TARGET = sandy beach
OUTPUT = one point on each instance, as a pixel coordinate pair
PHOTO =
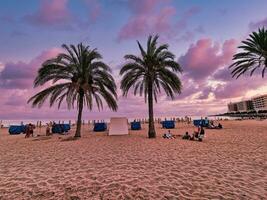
(229, 164)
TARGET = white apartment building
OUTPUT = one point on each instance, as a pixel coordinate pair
(260, 102)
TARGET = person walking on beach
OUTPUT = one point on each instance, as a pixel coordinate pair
(29, 130)
(48, 130)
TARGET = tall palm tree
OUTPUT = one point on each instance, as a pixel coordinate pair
(77, 76)
(253, 55)
(149, 73)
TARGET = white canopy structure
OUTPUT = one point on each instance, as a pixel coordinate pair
(118, 126)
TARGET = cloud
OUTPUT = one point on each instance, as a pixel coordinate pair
(20, 75)
(50, 13)
(205, 56)
(238, 87)
(95, 9)
(56, 14)
(253, 26)
(1, 66)
(146, 19)
(8, 19)
(154, 17)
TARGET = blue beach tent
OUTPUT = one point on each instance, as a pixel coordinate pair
(15, 130)
(135, 125)
(98, 127)
(201, 122)
(60, 128)
(168, 124)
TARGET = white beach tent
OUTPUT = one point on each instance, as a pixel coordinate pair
(118, 126)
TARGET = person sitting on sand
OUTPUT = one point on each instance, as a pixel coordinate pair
(220, 126)
(201, 134)
(196, 133)
(168, 135)
(186, 136)
(211, 124)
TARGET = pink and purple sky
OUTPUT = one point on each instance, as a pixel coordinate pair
(203, 34)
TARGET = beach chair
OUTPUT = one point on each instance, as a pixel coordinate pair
(99, 127)
(135, 126)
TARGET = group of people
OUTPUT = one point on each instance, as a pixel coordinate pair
(196, 135)
(211, 125)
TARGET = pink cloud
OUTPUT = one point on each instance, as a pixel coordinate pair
(154, 17)
(94, 8)
(51, 12)
(145, 6)
(146, 20)
(204, 57)
(56, 14)
(20, 75)
(238, 87)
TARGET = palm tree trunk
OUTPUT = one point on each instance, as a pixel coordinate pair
(80, 110)
(151, 130)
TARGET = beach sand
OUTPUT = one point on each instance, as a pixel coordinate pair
(229, 164)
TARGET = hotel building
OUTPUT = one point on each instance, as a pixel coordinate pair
(260, 102)
(232, 107)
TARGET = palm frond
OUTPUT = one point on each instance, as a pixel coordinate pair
(253, 55)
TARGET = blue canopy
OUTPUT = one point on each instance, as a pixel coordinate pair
(15, 130)
(135, 125)
(98, 127)
(60, 128)
(168, 124)
(201, 122)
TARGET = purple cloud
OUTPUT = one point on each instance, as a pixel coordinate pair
(147, 22)
(56, 14)
(50, 13)
(204, 57)
(20, 75)
(259, 24)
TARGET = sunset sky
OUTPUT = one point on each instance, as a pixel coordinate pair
(203, 34)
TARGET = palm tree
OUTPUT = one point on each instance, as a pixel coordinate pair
(149, 73)
(253, 55)
(77, 76)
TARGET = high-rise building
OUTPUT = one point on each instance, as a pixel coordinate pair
(260, 102)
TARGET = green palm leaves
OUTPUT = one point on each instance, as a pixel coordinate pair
(253, 55)
(78, 77)
(154, 70)
(156, 65)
